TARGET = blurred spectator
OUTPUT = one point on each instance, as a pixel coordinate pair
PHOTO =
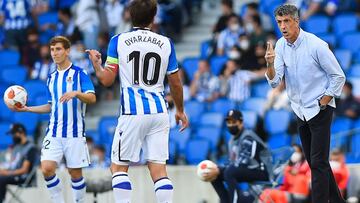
(227, 11)
(226, 73)
(114, 12)
(66, 25)
(125, 23)
(103, 41)
(185, 82)
(171, 110)
(252, 9)
(204, 86)
(248, 59)
(98, 159)
(88, 22)
(230, 35)
(43, 67)
(23, 160)
(170, 18)
(340, 170)
(31, 51)
(256, 32)
(310, 7)
(296, 187)
(347, 105)
(277, 98)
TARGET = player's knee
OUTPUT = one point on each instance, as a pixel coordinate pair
(75, 173)
(119, 168)
(48, 170)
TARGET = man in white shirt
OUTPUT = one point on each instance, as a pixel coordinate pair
(313, 77)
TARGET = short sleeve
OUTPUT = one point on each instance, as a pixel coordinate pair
(31, 155)
(48, 94)
(85, 83)
(173, 64)
(112, 59)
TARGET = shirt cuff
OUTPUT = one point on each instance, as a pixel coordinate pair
(89, 91)
(172, 71)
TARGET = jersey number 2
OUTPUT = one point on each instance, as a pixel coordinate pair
(135, 55)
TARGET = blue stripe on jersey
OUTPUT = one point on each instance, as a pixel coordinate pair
(145, 101)
(64, 104)
(56, 103)
(172, 65)
(83, 119)
(74, 104)
(132, 101)
(157, 102)
(122, 102)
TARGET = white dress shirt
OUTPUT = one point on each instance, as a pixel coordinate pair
(310, 70)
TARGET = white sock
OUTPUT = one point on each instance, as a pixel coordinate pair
(164, 190)
(54, 186)
(121, 187)
(79, 190)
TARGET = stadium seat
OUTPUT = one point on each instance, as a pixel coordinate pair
(272, 124)
(194, 110)
(254, 104)
(344, 57)
(351, 42)
(355, 81)
(196, 151)
(5, 139)
(354, 71)
(5, 112)
(212, 119)
(48, 18)
(94, 134)
(205, 49)
(352, 158)
(339, 132)
(9, 58)
(14, 75)
(217, 63)
(343, 23)
(356, 57)
(279, 140)
(317, 24)
(222, 106)
(106, 128)
(355, 144)
(180, 138)
(29, 120)
(66, 3)
(190, 66)
(212, 134)
(250, 119)
(260, 89)
(35, 89)
(172, 152)
(329, 38)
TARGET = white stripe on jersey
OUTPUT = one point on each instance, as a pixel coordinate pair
(60, 113)
(69, 105)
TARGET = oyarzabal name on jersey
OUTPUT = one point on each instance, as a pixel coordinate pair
(140, 38)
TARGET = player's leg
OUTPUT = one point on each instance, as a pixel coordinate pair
(77, 157)
(155, 148)
(51, 155)
(121, 183)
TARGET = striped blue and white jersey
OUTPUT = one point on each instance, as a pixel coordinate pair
(17, 14)
(142, 58)
(67, 119)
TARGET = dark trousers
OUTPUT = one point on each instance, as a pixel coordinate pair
(315, 139)
(4, 181)
(233, 175)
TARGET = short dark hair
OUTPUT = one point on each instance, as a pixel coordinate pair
(142, 12)
(287, 9)
(60, 39)
(228, 3)
(349, 85)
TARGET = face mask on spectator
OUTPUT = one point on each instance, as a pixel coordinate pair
(249, 27)
(343, 95)
(244, 44)
(95, 158)
(234, 27)
(335, 165)
(233, 54)
(233, 129)
(16, 140)
(295, 157)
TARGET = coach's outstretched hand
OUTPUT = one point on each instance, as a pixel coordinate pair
(184, 120)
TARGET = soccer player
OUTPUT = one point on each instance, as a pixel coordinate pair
(69, 90)
(142, 58)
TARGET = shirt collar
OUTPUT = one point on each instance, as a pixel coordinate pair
(298, 41)
(140, 28)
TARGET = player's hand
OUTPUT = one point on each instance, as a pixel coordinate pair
(181, 116)
(269, 54)
(212, 174)
(94, 56)
(67, 96)
(19, 109)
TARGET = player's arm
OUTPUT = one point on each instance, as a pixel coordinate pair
(23, 170)
(87, 98)
(46, 108)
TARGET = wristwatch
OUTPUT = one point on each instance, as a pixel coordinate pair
(322, 106)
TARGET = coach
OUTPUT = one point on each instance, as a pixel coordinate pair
(313, 78)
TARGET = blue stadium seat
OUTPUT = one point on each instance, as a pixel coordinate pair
(14, 75)
(66, 3)
(106, 128)
(352, 158)
(172, 152)
(317, 24)
(9, 58)
(190, 66)
(329, 38)
(279, 140)
(212, 119)
(272, 124)
(48, 18)
(211, 134)
(35, 89)
(350, 41)
(5, 139)
(355, 81)
(29, 120)
(339, 129)
(5, 112)
(344, 57)
(217, 63)
(260, 89)
(356, 57)
(196, 151)
(205, 49)
(355, 144)
(94, 134)
(250, 119)
(194, 109)
(344, 23)
(180, 138)
(354, 71)
(222, 106)
(254, 104)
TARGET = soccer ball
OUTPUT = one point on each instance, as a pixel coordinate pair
(15, 96)
(204, 167)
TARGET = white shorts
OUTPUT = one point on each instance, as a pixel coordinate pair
(74, 150)
(135, 132)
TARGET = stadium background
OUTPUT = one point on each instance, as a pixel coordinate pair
(189, 23)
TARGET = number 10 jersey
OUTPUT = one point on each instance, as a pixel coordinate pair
(142, 59)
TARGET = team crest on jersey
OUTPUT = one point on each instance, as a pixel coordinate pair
(69, 80)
